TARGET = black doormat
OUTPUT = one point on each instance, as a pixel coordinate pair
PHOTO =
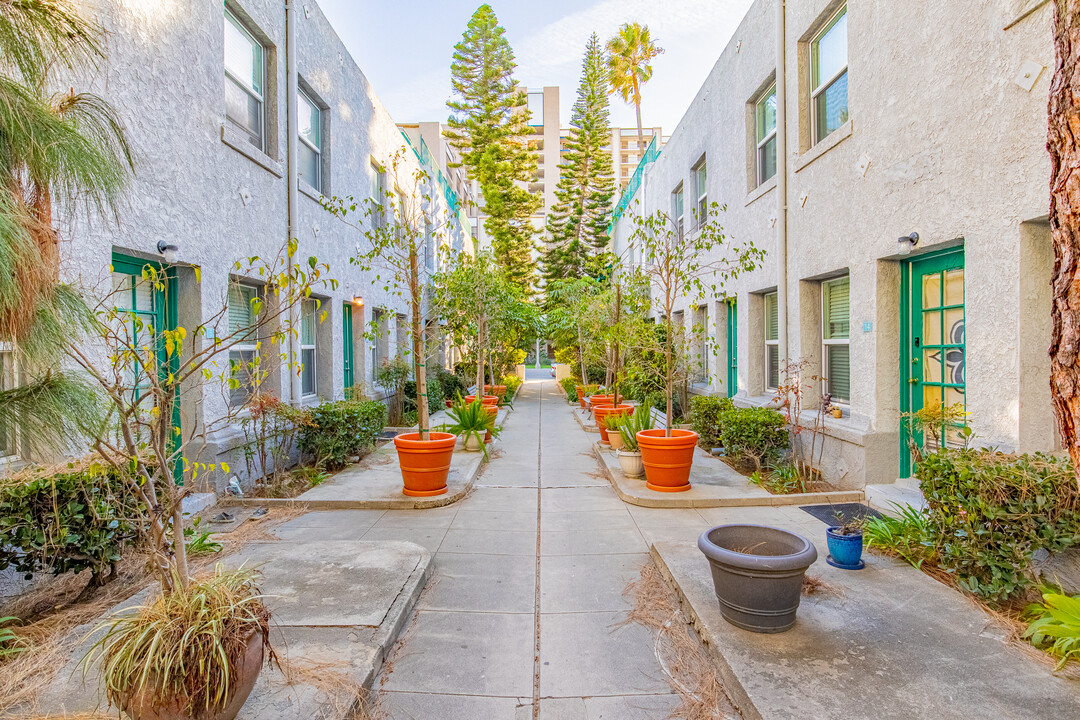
(833, 515)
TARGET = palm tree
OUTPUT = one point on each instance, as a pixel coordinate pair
(58, 152)
(630, 55)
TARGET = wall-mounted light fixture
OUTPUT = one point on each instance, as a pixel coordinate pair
(358, 301)
(907, 242)
(168, 250)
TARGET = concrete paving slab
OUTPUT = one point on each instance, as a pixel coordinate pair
(587, 654)
(428, 538)
(466, 654)
(713, 484)
(596, 520)
(498, 498)
(587, 583)
(440, 517)
(622, 707)
(592, 542)
(490, 542)
(328, 525)
(481, 583)
(375, 483)
(648, 517)
(586, 499)
(425, 706)
(469, 519)
(892, 643)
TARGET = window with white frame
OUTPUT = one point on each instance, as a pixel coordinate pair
(701, 206)
(835, 334)
(245, 81)
(829, 78)
(244, 355)
(378, 354)
(535, 107)
(765, 134)
(429, 247)
(772, 342)
(308, 347)
(8, 380)
(677, 208)
(309, 149)
(377, 179)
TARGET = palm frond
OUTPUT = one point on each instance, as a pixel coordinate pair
(37, 34)
(50, 411)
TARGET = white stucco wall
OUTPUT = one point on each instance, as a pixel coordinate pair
(942, 141)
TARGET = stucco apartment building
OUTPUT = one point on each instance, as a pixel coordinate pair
(833, 132)
(204, 90)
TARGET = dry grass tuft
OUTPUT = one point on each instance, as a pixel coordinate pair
(50, 617)
(341, 696)
(814, 585)
(689, 669)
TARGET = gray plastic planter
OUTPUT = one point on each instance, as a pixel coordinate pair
(758, 574)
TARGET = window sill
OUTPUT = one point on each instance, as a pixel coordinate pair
(761, 190)
(240, 144)
(311, 192)
(838, 136)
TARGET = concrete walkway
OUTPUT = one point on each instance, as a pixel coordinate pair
(521, 617)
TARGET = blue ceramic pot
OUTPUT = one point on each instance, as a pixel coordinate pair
(845, 551)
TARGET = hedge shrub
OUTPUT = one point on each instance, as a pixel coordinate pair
(339, 430)
(451, 385)
(994, 510)
(69, 521)
(757, 435)
(435, 395)
(512, 383)
(705, 413)
(570, 386)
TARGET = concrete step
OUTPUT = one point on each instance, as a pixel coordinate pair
(885, 496)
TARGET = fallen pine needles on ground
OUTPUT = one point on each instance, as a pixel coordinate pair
(688, 668)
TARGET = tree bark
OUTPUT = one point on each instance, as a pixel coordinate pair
(419, 349)
(1063, 143)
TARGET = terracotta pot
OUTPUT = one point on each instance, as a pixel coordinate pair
(630, 463)
(580, 395)
(615, 440)
(498, 390)
(604, 411)
(425, 463)
(667, 460)
(139, 705)
(449, 404)
(487, 399)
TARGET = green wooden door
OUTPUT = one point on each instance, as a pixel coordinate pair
(732, 348)
(347, 346)
(148, 307)
(933, 358)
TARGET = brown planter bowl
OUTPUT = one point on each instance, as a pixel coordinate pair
(139, 705)
(487, 399)
(498, 390)
(667, 460)
(425, 463)
(604, 411)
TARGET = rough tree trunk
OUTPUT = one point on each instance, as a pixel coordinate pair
(1063, 143)
(419, 349)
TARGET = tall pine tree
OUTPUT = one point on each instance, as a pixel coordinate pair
(488, 126)
(578, 223)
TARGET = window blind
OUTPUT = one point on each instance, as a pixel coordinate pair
(839, 371)
(837, 309)
(241, 314)
(772, 318)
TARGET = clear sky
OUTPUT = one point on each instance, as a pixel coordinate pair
(404, 47)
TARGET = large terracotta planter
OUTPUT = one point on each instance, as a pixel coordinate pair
(487, 399)
(425, 463)
(604, 411)
(580, 395)
(140, 704)
(498, 391)
(667, 460)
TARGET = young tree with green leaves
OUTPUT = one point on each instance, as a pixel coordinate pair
(466, 292)
(488, 125)
(630, 54)
(59, 152)
(579, 221)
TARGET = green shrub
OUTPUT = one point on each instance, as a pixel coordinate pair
(756, 435)
(909, 534)
(342, 429)
(994, 510)
(570, 386)
(512, 383)
(67, 521)
(451, 384)
(1056, 626)
(705, 418)
(435, 396)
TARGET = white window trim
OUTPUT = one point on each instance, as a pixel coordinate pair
(251, 346)
(13, 456)
(317, 149)
(243, 84)
(815, 92)
(701, 204)
(313, 346)
(771, 343)
(680, 193)
(825, 343)
(762, 142)
(378, 195)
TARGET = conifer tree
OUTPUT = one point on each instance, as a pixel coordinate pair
(489, 128)
(579, 221)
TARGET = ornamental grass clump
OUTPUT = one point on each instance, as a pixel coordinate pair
(186, 645)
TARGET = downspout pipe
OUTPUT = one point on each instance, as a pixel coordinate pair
(781, 185)
(291, 133)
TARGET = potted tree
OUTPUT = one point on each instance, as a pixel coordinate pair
(151, 438)
(401, 225)
(679, 268)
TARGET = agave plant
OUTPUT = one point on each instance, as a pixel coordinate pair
(631, 425)
(472, 420)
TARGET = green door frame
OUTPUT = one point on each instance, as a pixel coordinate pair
(163, 314)
(912, 346)
(732, 347)
(347, 345)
